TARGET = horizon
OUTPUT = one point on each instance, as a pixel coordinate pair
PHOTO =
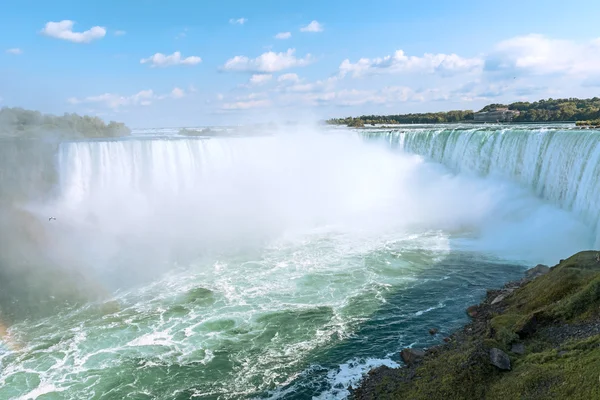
(235, 63)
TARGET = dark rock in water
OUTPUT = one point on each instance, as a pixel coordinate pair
(518, 348)
(446, 339)
(410, 356)
(499, 359)
(472, 311)
(536, 271)
(433, 331)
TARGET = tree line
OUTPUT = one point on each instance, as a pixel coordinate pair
(18, 122)
(551, 110)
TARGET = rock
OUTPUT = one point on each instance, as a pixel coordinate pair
(536, 271)
(472, 311)
(499, 359)
(518, 348)
(562, 353)
(433, 331)
(410, 356)
(502, 296)
(446, 339)
(528, 326)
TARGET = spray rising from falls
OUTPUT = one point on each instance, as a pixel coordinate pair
(558, 165)
(260, 267)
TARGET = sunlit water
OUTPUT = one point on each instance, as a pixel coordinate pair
(274, 267)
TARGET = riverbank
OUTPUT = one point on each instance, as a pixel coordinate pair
(537, 338)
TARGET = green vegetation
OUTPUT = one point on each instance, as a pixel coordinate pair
(198, 132)
(595, 122)
(426, 118)
(556, 317)
(18, 122)
(551, 110)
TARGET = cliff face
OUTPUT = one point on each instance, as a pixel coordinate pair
(548, 328)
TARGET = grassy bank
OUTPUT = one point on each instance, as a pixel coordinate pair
(549, 327)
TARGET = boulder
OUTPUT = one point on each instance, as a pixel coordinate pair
(499, 359)
(433, 331)
(518, 348)
(528, 325)
(410, 356)
(502, 296)
(536, 271)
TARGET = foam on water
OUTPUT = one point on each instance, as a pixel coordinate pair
(559, 165)
(266, 267)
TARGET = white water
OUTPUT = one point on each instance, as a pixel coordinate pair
(240, 262)
(558, 165)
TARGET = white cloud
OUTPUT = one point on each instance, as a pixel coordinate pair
(539, 55)
(64, 30)
(245, 105)
(120, 33)
(443, 64)
(162, 60)
(177, 93)
(260, 79)
(238, 21)
(116, 101)
(267, 62)
(314, 26)
(288, 78)
(283, 35)
(15, 51)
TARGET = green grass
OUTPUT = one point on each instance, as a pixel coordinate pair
(569, 293)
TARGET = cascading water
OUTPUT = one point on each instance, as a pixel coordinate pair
(270, 267)
(558, 165)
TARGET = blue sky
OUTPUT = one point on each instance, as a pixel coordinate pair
(183, 63)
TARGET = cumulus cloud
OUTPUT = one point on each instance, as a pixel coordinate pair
(443, 64)
(238, 21)
(283, 35)
(290, 77)
(162, 60)
(120, 33)
(314, 26)
(539, 55)
(116, 101)
(267, 62)
(64, 30)
(15, 51)
(260, 79)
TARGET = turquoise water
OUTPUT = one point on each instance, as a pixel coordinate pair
(277, 267)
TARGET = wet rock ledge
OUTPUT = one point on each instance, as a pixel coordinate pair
(537, 338)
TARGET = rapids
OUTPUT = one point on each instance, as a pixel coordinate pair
(281, 266)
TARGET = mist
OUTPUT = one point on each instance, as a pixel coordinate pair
(128, 211)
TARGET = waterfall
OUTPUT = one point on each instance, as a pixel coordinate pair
(561, 166)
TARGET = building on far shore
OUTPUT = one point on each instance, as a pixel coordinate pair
(497, 115)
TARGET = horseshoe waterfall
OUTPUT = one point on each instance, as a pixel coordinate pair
(275, 266)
